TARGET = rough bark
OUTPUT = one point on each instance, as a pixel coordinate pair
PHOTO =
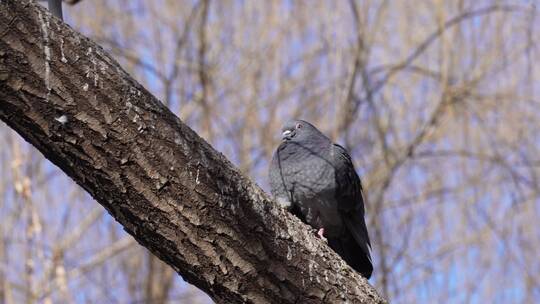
(170, 189)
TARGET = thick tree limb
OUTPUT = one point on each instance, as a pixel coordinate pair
(171, 190)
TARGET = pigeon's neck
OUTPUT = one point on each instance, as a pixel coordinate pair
(296, 150)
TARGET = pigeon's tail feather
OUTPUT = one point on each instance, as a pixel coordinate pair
(356, 226)
(353, 245)
(348, 248)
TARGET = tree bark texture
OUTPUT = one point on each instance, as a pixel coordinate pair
(164, 184)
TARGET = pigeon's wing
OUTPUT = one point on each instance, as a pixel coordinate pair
(350, 200)
(349, 189)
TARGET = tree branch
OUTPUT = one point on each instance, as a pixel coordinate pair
(169, 189)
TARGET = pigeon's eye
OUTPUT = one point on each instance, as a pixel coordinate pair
(299, 125)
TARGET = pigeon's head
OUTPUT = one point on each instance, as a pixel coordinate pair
(299, 130)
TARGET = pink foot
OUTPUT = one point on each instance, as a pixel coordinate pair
(320, 233)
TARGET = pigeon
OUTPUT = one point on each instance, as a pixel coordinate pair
(315, 179)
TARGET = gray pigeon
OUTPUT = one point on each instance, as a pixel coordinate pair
(315, 179)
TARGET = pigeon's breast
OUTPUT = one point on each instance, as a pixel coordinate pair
(313, 188)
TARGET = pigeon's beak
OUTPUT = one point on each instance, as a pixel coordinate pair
(287, 134)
